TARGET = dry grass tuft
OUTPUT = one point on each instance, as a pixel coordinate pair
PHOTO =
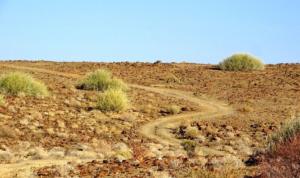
(100, 80)
(17, 83)
(171, 78)
(282, 157)
(241, 62)
(285, 134)
(173, 109)
(113, 100)
(189, 146)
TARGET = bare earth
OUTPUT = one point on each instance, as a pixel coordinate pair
(227, 114)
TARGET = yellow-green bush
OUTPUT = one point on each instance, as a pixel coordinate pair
(113, 100)
(16, 83)
(100, 80)
(241, 62)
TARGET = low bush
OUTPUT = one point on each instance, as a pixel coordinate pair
(241, 62)
(113, 100)
(192, 132)
(157, 62)
(282, 157)
(285, 134)
(189, 146)
(100, 80)
(16, 83)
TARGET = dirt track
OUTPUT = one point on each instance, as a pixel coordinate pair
(158, 130)
(23, 169)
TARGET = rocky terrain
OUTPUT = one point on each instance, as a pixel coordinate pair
(224, 119)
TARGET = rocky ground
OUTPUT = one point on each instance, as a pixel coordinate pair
(66, 125)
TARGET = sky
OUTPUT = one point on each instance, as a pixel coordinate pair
(199, 31)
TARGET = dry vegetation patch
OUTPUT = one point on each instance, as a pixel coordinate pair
(113, 100)
(282, 158)
(100, 80)
(173, 109)
(16, 83)
(241, 62)
(287, 133)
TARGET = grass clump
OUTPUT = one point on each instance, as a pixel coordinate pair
(171, 78)
(192, 132)
(113, 100)
(189, 146)
(241, 62)
(2, 100)
(100, 80)
(16, 83)
(173, 109)
(289, 131)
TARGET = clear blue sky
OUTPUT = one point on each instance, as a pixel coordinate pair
(203, 31)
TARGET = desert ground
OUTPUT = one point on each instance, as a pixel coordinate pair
(224, 119)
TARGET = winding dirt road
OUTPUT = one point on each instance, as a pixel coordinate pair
(158, 130)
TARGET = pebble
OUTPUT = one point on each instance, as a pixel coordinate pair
(50, 131)
(230, 134)
(11, 109)
(24, 122)
(61, 124)
(201, 138)
(228, 127)
(37, 115)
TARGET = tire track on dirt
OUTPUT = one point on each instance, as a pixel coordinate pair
(158, 130)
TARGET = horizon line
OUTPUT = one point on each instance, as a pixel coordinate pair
(124, 61)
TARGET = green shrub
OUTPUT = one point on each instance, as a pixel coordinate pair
(286, 133)
(16, 83)
(173, 109)
(100, 80)
(113, 100)
(241, 62)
